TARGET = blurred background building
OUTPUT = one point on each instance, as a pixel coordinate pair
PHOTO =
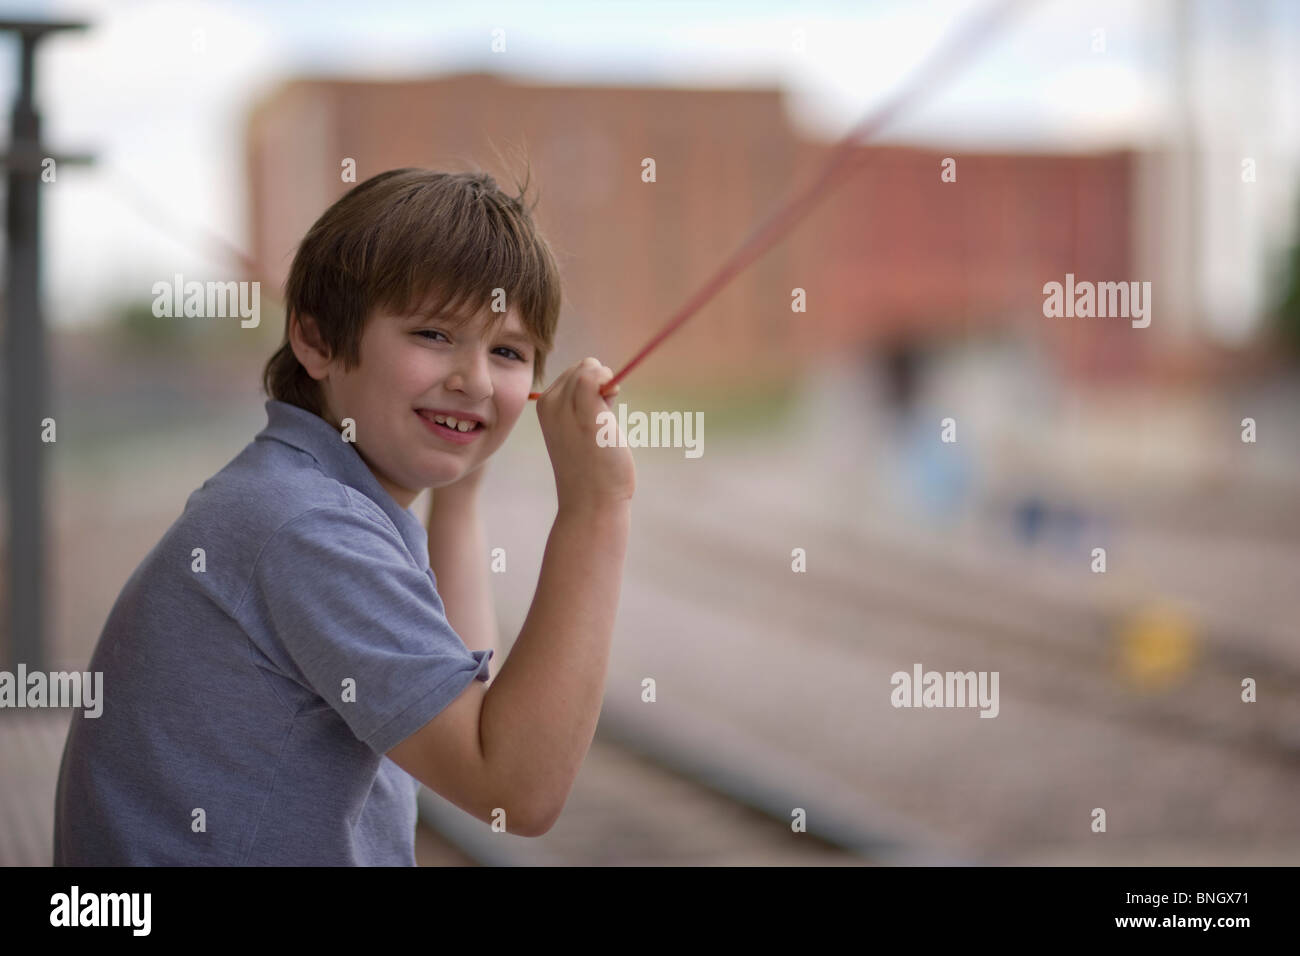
(894, 256)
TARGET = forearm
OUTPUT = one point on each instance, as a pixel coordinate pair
(458, 556)
(539, 716)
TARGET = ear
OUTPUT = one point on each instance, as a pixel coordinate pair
(308, 346)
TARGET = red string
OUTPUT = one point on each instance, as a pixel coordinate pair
(767, 233)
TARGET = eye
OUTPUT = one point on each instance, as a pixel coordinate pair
(503, 348)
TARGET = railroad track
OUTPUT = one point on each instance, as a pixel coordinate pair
(627, 808)
(1040, 628)
(647, 796)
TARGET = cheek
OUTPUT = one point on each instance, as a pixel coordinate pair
(513, 403)
(410, 369)
(512, 387)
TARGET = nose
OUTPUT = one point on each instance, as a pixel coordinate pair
(471, 374)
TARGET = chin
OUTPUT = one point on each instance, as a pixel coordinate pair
(442, 479)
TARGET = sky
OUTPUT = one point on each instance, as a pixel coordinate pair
(159, 90)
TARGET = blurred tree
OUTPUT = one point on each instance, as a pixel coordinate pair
(1288, 308)
(136, 326)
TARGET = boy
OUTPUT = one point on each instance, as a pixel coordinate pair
(269, 698)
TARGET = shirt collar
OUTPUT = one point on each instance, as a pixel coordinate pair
(340, 460)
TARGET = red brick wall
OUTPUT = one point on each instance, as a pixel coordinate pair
(892, 252)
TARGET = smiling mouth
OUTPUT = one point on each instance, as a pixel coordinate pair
(449, 427)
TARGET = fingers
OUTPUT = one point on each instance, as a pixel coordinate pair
(590, 377)
(587, 375)
(573, 376)
(564, 381)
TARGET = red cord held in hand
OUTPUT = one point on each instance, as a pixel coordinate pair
(768, 232)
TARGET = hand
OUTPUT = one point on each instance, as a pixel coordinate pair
(586, 474)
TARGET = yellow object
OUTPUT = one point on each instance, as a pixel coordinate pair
(1157, 645)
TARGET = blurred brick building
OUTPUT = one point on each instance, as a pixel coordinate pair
(893, 256)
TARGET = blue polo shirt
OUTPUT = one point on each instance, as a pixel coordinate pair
(252, 688)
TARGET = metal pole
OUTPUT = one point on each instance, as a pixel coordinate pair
(27, 401)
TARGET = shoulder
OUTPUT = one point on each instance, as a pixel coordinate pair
(275, 499)
(270, 486)
(347, 525)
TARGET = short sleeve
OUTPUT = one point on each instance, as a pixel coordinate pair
(363, 625)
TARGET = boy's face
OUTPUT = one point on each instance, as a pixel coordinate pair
(413, 367)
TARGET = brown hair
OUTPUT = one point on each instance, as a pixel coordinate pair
(392, 240)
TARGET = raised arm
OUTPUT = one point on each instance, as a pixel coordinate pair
(518, 745)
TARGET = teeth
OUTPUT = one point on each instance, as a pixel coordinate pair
(451, 422)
